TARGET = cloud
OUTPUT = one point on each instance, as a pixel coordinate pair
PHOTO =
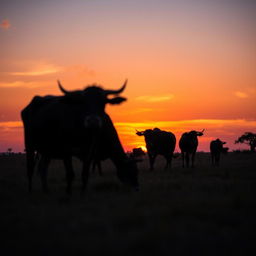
(241, 95)
(38, 69)
(152, 99)
(19, 84)
(140, 110)
(42, 68)
(5, 24)
(34, 68)
(185, 124)
(80, 70)
(11, 133)
(10, 126)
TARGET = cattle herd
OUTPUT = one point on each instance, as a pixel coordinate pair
(76, 124)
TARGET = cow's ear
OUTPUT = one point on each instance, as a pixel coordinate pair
(116, 100)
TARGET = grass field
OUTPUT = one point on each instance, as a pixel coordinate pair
(202, 211)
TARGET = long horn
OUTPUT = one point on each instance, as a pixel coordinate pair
(107, 92)
(61, 88)
(202, 131)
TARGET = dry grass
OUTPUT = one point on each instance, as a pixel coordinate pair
(202, 211)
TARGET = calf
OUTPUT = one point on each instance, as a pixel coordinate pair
(216, 148)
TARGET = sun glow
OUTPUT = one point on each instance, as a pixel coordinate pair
(214, 128)
(143, 148)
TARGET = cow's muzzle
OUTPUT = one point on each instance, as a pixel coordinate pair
(93, 122)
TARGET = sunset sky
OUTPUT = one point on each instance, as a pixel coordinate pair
(190, 64)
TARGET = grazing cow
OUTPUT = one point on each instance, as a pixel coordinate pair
(74, 124)
(216, 148)
(159, 142)
(137, 153)
(188, 145)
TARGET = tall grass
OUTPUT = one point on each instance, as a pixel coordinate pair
(201, 211)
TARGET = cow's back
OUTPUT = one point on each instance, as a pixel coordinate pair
(52, 126)
(167, 141)
(161, 142)
(188, 143)
(216, 146)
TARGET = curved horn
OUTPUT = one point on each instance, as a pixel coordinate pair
(202, 131)
(61, 88)
(107, 92)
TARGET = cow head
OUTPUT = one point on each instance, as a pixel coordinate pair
(128, 174)
(220, 142)
(147, 133)
(200, 133)
(92, 100)
(94, 93)
(140, 133)
(195, 133)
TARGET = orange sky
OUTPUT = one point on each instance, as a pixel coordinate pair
(189, 64)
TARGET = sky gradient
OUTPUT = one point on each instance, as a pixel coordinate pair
(190, 64)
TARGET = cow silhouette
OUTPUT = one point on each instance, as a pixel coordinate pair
(216, 148)
(74, 124)
(188, 144)
(159, 142)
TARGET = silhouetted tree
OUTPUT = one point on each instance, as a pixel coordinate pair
(248, 138)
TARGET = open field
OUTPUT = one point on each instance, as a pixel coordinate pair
(202, 211)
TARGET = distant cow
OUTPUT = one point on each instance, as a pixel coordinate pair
(188, 145)
(216, 148)
(159, 142)
(74, 124)
(225, 150)
(137, 153)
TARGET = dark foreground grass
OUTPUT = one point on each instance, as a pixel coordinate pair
(202, 211)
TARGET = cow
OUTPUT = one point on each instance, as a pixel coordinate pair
(216, 148)
(159, 142)
(74, 124)
(188, 145)
(137, 153)
(225, 150)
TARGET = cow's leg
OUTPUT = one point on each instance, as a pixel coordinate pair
(187, 159)
(212, 156)
(151, 161)
(99, 167)
(168, 161)
(69, 173)
(30, 155)
(85, 175)
(94, 164)
(43, 170)
(183, 158)
(217, 159)
(193, 159)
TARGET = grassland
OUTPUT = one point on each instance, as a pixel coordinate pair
(202, 211)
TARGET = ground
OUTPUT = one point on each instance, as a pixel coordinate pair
(201, 211)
